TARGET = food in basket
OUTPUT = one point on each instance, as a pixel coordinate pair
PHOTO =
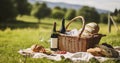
(37, 48)
(90, 28)
(73, 32)
(78, 43)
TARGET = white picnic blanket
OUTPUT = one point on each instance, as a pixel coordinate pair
(78, 56)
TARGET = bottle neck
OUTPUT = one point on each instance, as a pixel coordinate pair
(63, 30)
(54, 27)
(63, 22)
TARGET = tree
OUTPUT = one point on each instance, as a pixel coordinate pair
(57, 13)
(119, 11)
(115, 12)
(104, 18)
(64, 9)
(23, 7)
(70, 14)
(118, 18)
(89, 13)
(57, 7)
(40, 11)
(8, 10)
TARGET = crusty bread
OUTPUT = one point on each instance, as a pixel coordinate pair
(37, 48)
(95, 51)
(90, 28)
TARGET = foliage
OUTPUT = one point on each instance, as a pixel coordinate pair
(111, 61)
(119, 11)
(57, 7)
(23, 7)
(104, 18)
(89, 13)
(70, 14)
(116, 15)
(115, 12)
(57, 13)
(93, 60)
(40, 11)
(8, 10)
(118, 18)
(64, 9)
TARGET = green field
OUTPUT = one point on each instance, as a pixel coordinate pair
(27, 31)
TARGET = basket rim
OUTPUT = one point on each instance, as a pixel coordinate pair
(92, 36)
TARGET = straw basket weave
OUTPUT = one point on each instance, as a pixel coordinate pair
(77, 43)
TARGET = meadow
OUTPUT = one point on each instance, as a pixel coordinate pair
(27, 31)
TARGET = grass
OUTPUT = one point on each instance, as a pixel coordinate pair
(24, 33)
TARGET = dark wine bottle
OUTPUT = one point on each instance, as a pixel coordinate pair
(54, 39)
(63, 30)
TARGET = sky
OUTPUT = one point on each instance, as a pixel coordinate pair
(101, 4)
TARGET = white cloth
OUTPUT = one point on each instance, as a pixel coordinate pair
(73, 56)
(73, 32)
(85, 56)
(78, 56)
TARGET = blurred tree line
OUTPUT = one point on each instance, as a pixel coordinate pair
(40, 11)
(9, 9)
(12, 8)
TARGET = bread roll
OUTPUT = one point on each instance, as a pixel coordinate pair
(37, 48)
(95, 51)
(92, 27)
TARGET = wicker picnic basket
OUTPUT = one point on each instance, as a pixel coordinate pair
(77, 43)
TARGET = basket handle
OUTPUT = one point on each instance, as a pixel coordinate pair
(83, 21)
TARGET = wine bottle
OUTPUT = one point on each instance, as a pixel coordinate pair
(63, 30)
(54, 39)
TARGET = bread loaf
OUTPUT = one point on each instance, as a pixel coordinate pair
(95, 51)
(37, 48)
(90, 28)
